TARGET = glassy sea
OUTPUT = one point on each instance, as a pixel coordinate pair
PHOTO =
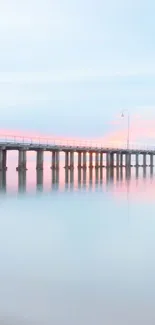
(77, 247)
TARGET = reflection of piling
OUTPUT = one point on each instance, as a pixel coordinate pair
(109, 175)
(117, 173)
(84, 175)
(79, 177)
(40, 179)
(90, 175)
(128, 173)
(90, 178)
(3, 181)
(137, 172)
(21, 181)
(96, 175)
(55, 178)
(69, 177)
(151, 171)
(66, 175)
(72, 177)
(101, 174)
(144, 172)
(121, 174)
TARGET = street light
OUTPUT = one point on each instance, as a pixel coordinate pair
(128, 134)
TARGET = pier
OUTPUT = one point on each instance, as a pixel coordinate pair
(88, 154)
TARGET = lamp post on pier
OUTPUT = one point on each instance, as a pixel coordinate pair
(128, 127)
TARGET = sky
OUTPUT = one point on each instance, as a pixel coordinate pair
(68, 68)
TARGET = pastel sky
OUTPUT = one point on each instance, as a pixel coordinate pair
(69, 67)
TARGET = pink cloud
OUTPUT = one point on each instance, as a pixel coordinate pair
(140, 130)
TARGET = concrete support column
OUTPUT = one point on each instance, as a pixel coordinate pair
(3, 159)
(84, 160)
(117, 159)
(53, 162)
(91, 160)
(101, 159)
(151, 160)
(111, 159)
(79, 160)
(71, 159)
(108, 159)
(96, 159)
(128, 160)
(137, 159)
(121, 160)
(40, 159)
(57, 156)
(66, 159)
(144, 159)
(21, 160)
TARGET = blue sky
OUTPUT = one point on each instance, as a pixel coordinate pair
(69, 67)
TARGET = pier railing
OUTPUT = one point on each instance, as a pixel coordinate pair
(47, 141)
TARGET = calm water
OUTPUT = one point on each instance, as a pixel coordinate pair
(77, 249)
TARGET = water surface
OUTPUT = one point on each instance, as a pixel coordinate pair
(77, 248)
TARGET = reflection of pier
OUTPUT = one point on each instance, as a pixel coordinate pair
(55, 178)
(39, 179)
(3, 180)
(22, 181)
(79, 178)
